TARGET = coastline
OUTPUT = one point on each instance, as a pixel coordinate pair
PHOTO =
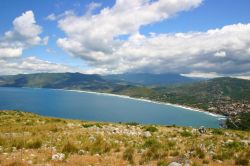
(220, 117)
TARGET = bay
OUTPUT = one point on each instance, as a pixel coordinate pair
(100, 107)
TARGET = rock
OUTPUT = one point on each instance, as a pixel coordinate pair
(174, 164)
(58, 157)
(81, 152)
(202, 130)
(245, 142)
(147, 134)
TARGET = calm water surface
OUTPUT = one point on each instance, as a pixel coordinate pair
(98, 107)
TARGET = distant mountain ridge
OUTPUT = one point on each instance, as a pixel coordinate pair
(150, 79)
(58, 81)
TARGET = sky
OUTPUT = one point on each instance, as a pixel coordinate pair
(196, 38)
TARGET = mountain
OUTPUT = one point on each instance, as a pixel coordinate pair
(150, 79)
(59, 81)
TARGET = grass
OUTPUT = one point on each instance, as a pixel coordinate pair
(128, 155)
(28, 137)
(69, 148)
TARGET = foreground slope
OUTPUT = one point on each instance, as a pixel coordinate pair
(29, 139)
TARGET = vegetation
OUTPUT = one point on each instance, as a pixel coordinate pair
(241, 121)
(30, 139)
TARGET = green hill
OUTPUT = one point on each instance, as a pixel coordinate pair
(214, 95)
(59, 81)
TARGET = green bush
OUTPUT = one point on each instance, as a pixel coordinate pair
(34, 144)
(132, 123)
(150, 129)
(151, 143)
(217, 131)
(236, 146)
(162, 163)
(186, 133)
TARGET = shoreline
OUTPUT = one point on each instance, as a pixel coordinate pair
(220, 117)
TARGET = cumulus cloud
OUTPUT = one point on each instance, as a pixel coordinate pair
(92, 37)
(25, 33)
(95, 39)
(33, 65)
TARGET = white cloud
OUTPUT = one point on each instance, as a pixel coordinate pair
(33, 65)
(10, 52)
(92, 37)
(51, 17)
(202, 75)
(95, 39)
(25, 33)
(92, 6)
(220, 54)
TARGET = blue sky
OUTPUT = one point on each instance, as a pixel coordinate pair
(197, 17)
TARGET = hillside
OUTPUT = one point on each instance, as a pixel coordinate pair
(222, 95)
(147, 79)
(28, 139)
(59, 81)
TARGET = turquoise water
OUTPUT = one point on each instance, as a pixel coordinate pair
(96, 107)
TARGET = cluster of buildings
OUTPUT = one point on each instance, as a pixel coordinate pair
(230, 109)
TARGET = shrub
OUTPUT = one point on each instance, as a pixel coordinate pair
(150, 143)
(90, 125)
(186, 133)
(155, 150)
(174, 153)
(162, 163)
(153, 153)
(200, 153)
(132, 123)
(100, 146)
(34, 144)
(129, 155)
(69, 148)
(234, 146)
(87, 125)
(217, 131)
(151, 129)
(18, 143)
(205, 162)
